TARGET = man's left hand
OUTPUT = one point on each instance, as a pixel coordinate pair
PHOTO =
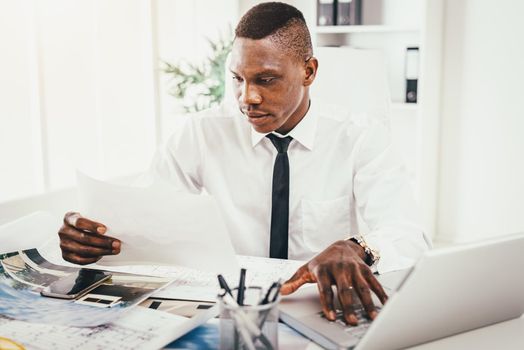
(341, 265)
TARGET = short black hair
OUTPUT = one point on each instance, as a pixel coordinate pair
(282, 23)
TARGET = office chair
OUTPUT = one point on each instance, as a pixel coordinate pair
(354, 80)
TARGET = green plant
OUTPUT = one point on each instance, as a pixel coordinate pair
(200, 85)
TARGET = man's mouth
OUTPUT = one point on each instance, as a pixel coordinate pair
(257, 118)
(256, 115)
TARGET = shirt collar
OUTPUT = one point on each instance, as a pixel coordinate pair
(304, 132)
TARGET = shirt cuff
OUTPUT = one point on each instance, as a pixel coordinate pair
(396, 253)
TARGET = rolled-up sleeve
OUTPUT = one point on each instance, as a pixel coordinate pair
(179, 162)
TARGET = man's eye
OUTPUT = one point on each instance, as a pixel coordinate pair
(237, 78)
(266, 80)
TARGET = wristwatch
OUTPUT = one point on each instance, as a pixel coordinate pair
(372, 255)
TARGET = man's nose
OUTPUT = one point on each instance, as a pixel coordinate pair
(250, 95)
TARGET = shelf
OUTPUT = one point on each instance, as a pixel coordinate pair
(402, 106)
(364, 29)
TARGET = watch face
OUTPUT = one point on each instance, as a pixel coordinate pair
(372, 256)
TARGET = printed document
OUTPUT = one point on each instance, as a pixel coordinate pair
(159, 225)
(141, 328)
(190, 284)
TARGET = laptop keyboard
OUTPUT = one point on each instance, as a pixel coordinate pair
(356, 331)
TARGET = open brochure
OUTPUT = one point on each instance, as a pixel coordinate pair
(24, 274)
(39, 322)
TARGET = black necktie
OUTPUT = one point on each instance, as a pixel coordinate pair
(280, 199)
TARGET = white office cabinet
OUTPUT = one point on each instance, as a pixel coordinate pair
(392, 26)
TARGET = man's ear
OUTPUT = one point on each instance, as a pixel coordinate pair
(311, 71)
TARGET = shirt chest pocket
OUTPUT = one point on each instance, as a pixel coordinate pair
(324, 222)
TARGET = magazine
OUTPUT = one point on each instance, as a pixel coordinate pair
(24, 274)
(38, 322)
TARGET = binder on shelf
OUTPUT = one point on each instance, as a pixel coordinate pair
(412, 61)
(349, 12)
(326, 15)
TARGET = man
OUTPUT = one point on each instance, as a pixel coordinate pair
(290, 178)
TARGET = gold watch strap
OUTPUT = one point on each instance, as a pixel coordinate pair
(372, 255)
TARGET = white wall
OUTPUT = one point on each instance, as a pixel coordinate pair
(482, 129)
(81, 86)
(307, 8)
(77, 80)
(20, 155)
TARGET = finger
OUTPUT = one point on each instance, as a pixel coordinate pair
(81, 223)
(300, 277)
(83, 250)
(364, 293)
(326, 294)
(375, 286)
(90, 239)
(75, 259)
(345, 296)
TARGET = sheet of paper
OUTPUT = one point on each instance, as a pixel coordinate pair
(28, 232)
(158, 225)
(140, 328)
(192, 284)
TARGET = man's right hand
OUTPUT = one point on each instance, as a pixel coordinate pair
(83, 241)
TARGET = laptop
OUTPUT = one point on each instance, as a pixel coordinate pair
(447, 292)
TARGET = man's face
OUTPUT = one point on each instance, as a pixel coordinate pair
(270, 85)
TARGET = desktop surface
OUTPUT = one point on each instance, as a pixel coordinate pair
(508, 335)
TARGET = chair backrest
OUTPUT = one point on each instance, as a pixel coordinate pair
(353, 79)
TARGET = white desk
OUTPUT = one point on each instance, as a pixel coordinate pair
(507, 335)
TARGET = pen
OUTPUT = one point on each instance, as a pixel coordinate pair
(270, 295)
(239, 321)
(277, 292)
(266, 297)
(223, 291)
(241, 286)
(244, 332)
(223, 284)
(245, 324)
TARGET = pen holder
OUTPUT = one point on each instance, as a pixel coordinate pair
(250, 326)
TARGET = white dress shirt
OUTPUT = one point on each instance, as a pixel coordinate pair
(342, 172)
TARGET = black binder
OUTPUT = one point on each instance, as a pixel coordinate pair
(326, 12)
(412, 60)
(349, 12)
